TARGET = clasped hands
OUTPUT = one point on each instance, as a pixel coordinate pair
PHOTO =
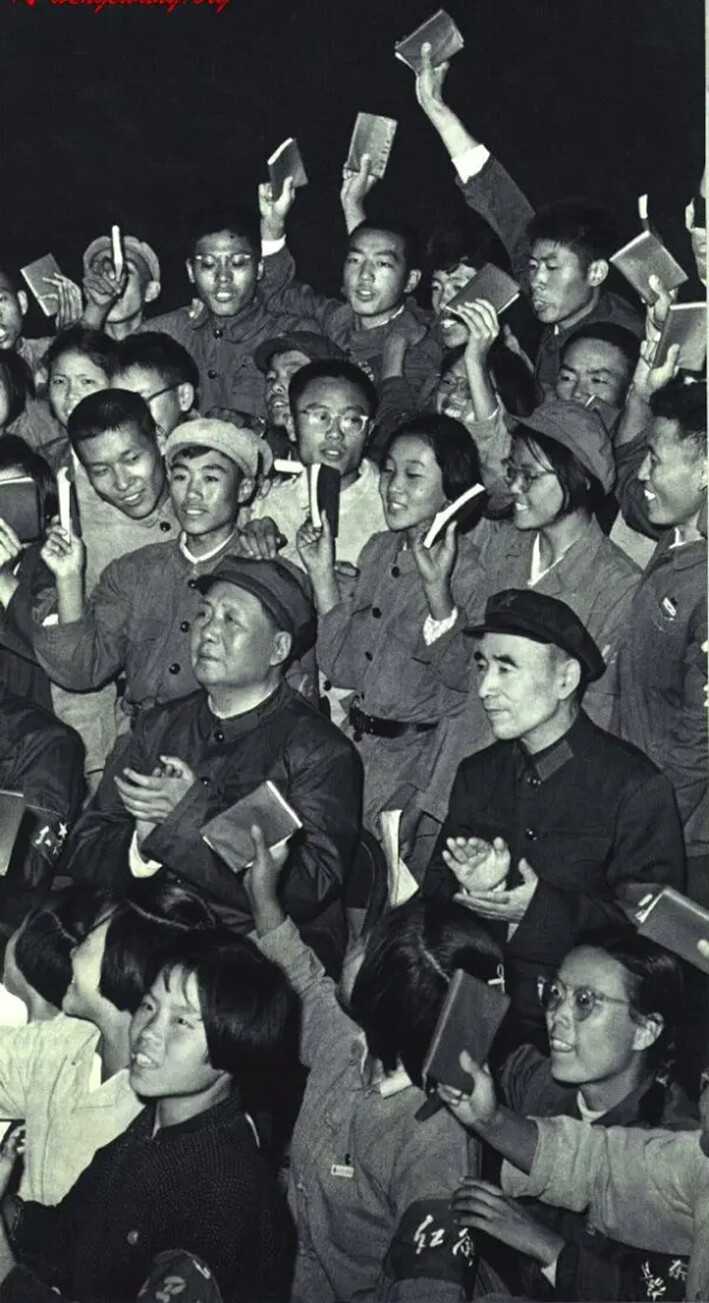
(150, 798)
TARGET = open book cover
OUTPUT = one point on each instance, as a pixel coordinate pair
(324, 495)
(686, 325)
(229, 836)
(374, 136)
(677, 923)
(646, 256)
(34, 276)
(440, 32)
(470, 1019)
(490, 283)
(12, 809)
(286, 161)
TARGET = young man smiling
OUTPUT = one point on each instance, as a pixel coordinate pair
(140, 613)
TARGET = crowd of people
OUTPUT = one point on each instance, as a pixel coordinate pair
(217, 1088)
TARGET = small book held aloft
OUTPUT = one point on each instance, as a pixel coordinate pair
(35, 277)
(677, 923)
(373, 136)
(324, 495)
(453, 509)
(12, 809)
(646, 256)
(284, 162)
(440, 32)
(490, 283)
(20, 508)
(686, 325)
(229, 833)
(470, 1019)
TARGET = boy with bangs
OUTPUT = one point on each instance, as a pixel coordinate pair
(139, 615)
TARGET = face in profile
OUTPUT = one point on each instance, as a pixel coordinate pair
(673, 474)
(13, 306)
(520, 684)
(225, 271)
(281, 370)
(168, 403)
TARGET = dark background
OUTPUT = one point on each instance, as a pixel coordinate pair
(141, 117)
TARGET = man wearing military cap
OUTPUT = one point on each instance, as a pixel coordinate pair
(548, 826)
(192, 759)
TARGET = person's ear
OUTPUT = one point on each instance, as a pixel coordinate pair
(246, 489)
(185, 396)
(259, 269)
(282, 644)
(161, 438)
(648, 1031)
(152, 290)
(569, 677)
(597, 272)
(23, 302)
(189, 264)
(412, 281)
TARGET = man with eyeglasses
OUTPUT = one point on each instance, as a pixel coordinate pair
(155, 366)
(548, 827)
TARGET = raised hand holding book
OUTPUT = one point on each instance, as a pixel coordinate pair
(441, 520)
(686, 325)
(491, 284)
(37, 276)
(646, 256)
(440, 32)
(229, 833)
(284, 162)
(117, 253)
(324, 495)
(470, 1019)
(373, 136)
(675, 922)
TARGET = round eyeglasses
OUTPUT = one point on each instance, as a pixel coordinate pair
(552, 994)
(520, 475)
(322, 419)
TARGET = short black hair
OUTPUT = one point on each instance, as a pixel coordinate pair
(109, 409)
(236, 221)
(580, 489)
(608, 332)
(152, 350)
(333, 369)
(14, 452)
(684, 400)
(413, 253)
(93, 343)
(16, 376)
(12, 280)
(47, 936)
(513, 379)
(249, 1010)
(141, 926)
(465, 239)
(410, 956)
(576, 224)
(453, 448)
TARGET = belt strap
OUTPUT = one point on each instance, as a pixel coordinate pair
(386, 728)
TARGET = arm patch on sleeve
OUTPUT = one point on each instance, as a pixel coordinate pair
(427, 1243)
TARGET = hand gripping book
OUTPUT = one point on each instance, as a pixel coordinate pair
(229, 833)
(20, 508)
(686, 325)
(470, 1019)
(286, 161)
(373, 136)
(490, 283)
(440, 32)
(324, 495)
(675, 922)
(646, 256)
(35, 277)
